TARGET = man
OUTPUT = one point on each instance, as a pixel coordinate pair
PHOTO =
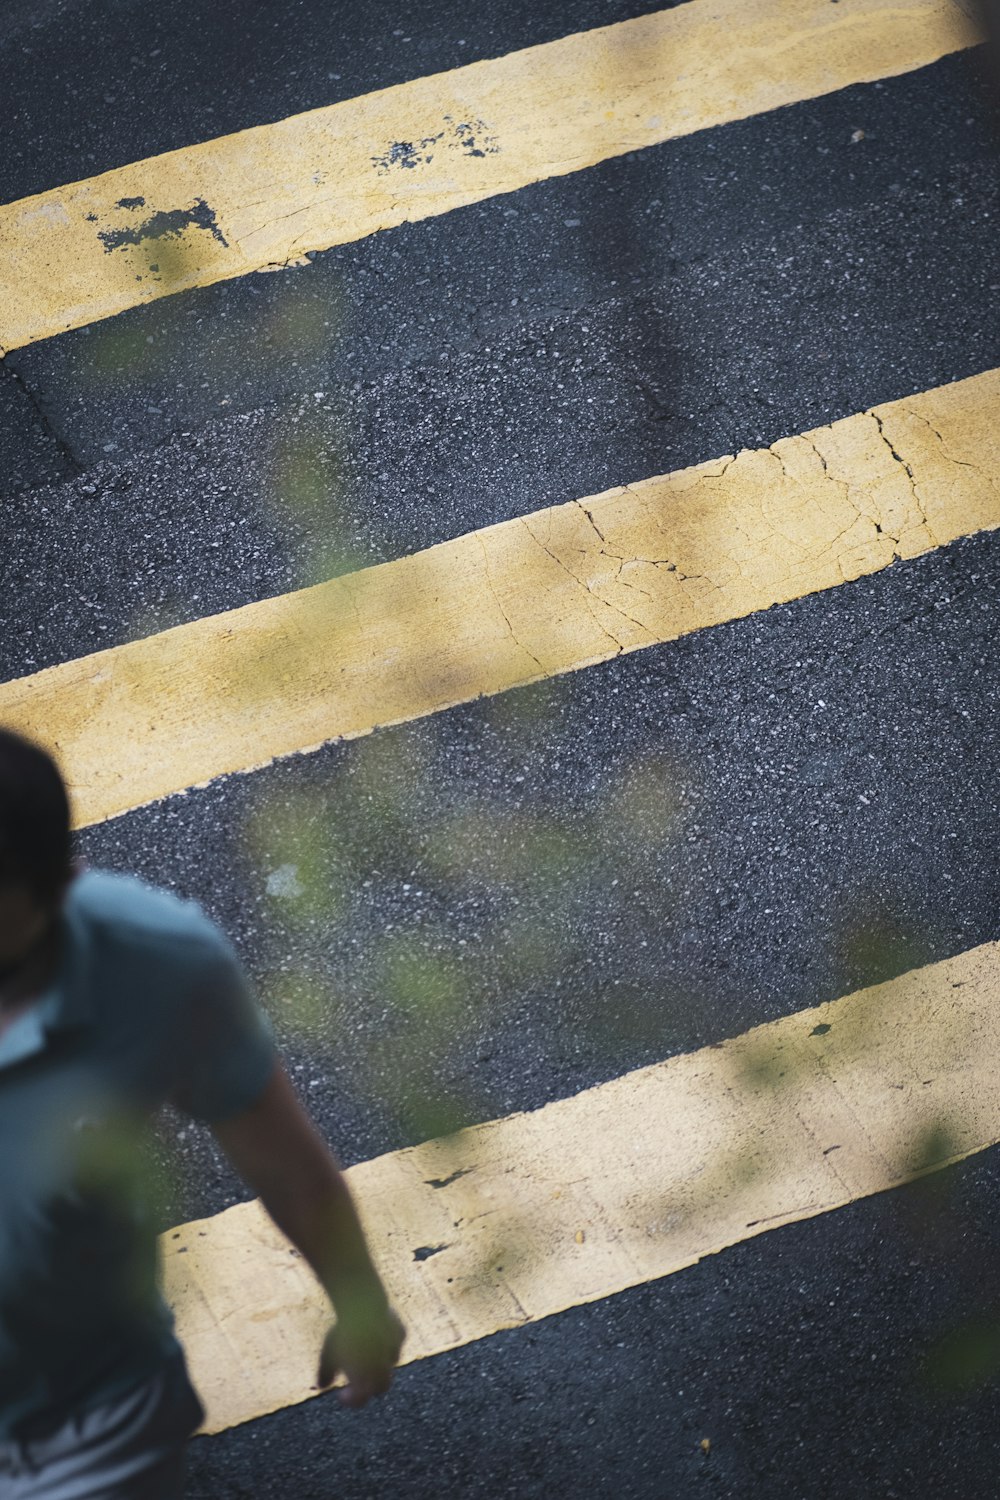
(115, 998)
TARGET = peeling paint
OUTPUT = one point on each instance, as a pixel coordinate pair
(475, 139)
(406, 154)
(166, 224)
(472, 138)
(431, 145)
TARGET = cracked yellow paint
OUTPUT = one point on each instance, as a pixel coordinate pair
(267, 196)
(633, 1180)
(547, 593)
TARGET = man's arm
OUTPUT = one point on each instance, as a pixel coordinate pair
(281, 1156)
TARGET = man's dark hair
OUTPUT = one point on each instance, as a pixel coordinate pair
(34, 819)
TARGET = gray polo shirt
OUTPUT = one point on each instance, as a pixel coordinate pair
(149, 1004)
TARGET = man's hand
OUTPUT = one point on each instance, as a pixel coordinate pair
(365, 1347)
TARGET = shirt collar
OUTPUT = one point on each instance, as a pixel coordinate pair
(64, 1004)
(67, 1000)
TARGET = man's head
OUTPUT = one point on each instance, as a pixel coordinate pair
(35, 858)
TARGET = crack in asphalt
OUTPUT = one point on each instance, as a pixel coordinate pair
(62, 445)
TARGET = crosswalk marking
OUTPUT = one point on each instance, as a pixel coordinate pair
(272, 195)
(548, 593)
(520, 1218)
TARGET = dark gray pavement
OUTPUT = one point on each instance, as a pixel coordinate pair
(691, 839)
(515, 899)
(90, 86)
(726, 301)
(31, 453)
(717, 292)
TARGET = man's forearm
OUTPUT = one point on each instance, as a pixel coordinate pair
(280, 1155)
(323, 1225)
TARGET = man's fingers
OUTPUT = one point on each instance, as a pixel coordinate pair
(353, 1398)
(365, 1384)
(359, 1392)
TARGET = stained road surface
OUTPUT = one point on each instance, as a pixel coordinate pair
(689, 729)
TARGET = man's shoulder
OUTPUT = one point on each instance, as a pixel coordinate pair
(127, 912)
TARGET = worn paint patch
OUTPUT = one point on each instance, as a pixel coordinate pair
(355, 168)
(407, 154)
(165, 224)
(475, 140)
(633, 1180)
(546, 593)
(471, 138)
(51, 215)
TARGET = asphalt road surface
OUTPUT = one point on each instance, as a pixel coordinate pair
(823, 812)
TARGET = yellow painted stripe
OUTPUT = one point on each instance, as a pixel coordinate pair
(627, 1182)
(544, 594)
(266, 196)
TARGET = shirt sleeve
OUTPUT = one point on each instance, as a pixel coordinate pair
(227, 1052)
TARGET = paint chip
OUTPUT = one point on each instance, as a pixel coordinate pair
(167, 223)
(471, 137)
(424, 1252)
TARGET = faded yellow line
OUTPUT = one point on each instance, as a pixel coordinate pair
(622, 1184)
(268, 195)
(548, 593)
